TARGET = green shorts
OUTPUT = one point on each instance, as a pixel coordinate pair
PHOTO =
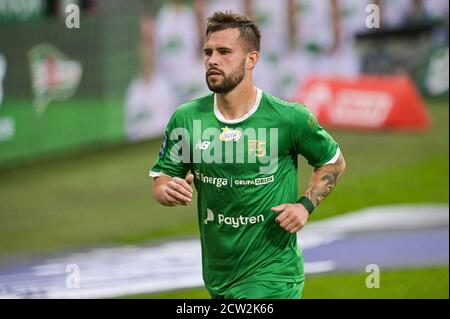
(265, 290)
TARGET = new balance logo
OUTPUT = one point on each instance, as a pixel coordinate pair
(202, 145)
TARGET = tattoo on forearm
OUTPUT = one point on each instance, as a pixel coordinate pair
(323, 181)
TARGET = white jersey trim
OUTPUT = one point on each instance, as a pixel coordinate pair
(335, 157)
(252, 110)
(157, 174)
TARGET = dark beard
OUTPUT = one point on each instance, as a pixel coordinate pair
(229, 82)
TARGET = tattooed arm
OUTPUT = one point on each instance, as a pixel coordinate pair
(324, 179)
(292, 217)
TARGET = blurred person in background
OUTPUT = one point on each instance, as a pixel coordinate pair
(179, 36)
(149, 101)
(248, 211)
(310, 37)
(320, 41)
(271, 17)
(347, 18)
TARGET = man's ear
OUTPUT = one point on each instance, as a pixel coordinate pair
(252, 59)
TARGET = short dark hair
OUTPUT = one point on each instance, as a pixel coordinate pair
(249, 32)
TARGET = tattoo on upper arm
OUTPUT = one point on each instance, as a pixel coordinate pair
(323, 181)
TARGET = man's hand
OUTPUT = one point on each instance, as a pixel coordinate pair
(171, 191)
(292, 217)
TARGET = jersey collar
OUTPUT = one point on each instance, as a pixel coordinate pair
(252, 110)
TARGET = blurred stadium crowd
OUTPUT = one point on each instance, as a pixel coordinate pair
(135, 61)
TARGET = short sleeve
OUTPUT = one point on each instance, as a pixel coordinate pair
(167, 163)
(310, 139)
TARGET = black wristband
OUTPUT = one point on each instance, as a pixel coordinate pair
(307, 203)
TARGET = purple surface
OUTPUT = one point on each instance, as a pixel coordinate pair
(386, 249)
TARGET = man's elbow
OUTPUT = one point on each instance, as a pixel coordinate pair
(342, 165)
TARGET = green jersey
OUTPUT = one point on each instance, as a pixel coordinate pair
(242, 168)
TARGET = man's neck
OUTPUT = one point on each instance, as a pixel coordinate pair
(236, 103)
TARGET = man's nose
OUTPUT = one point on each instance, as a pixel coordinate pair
(212, 60)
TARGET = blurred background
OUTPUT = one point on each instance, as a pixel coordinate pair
(84, 101)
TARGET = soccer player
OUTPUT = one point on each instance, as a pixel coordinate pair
(241, 146)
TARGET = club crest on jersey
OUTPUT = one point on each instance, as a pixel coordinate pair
(258, 147)
(230, 135)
